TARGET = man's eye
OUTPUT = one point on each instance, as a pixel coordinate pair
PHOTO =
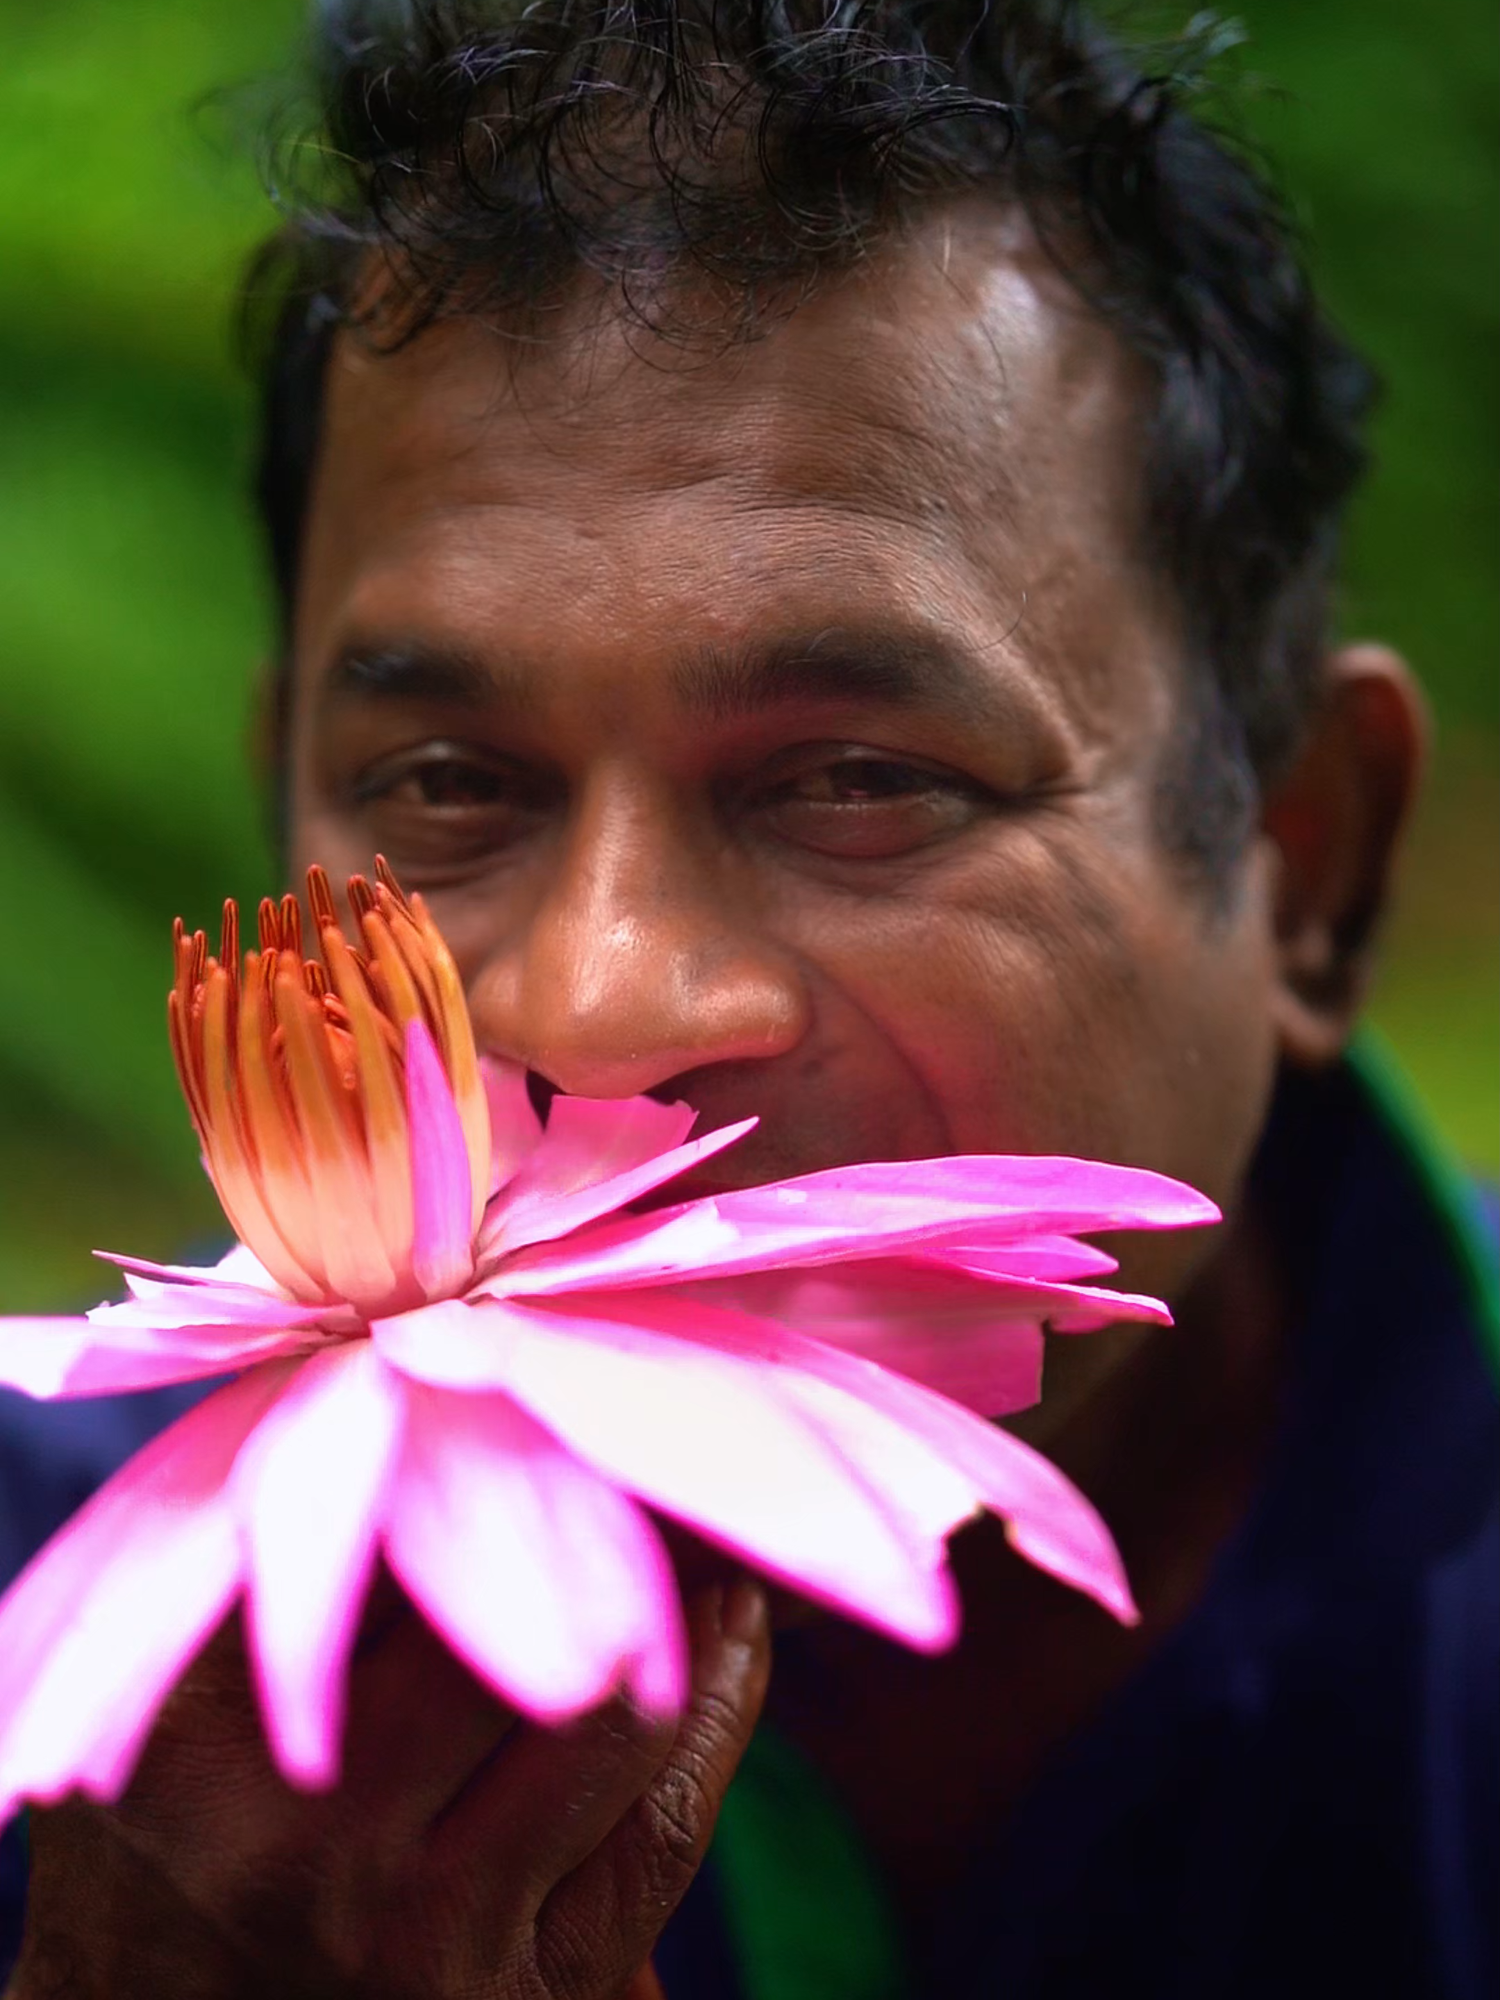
(862, 781)
(870, 806)
(446, 783)
(447, 804)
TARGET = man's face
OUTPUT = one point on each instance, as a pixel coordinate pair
(779, 729)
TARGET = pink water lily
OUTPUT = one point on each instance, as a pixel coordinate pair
(452, 1346)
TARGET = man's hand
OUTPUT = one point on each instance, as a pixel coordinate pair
(466, 1855)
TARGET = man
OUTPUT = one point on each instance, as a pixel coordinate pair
(805, 532)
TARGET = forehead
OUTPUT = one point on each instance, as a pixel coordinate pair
(946, 436)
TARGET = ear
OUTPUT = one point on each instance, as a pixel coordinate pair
(1336, 820)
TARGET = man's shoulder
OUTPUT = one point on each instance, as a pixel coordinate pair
(1301, 1793)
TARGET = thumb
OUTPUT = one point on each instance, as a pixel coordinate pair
(629, 1886)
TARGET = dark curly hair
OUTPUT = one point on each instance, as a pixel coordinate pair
(488, 151)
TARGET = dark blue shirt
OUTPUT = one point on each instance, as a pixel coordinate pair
(1299, 1795)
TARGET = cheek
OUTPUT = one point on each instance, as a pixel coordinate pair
(1072, 1002)
(320, 835)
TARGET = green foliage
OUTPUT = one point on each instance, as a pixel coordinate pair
(131, 606)
(133, 613)
(1382, 120)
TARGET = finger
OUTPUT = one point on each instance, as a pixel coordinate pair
(551, 1796)
(207, 1759)
(89, 1888)
(612, 1908)
(420, 1728)
(546, 1801)
(645, 1986)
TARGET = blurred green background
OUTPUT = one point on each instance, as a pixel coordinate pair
(133, 614)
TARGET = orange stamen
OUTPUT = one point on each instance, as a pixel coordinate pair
(388, 881)
(391, 974)
(293, 1070)
(456, 1045)
(320, 900)
(229, 939)
(291, 925)
(378, 1055)
(271, 1125)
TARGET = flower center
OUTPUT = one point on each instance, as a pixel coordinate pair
(294, 1074)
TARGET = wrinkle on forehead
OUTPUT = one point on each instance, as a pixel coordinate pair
(837, 402)
(945, 435)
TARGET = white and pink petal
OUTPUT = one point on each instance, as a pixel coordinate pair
(515, 1128)
(705, 1437)
(552, 1586)
(309, 1490)
(1003, 1197)
(167, 1305)
(963, 1337)
(1054, 1259)
(441, 1186)
(1047, 1519)
(587, 1140)
(617, 1250)
(70, 1358)
(237, 1267)
(539, 1206)
(854, 1214)
(101, 1623)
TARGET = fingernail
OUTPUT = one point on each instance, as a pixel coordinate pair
(744, 1617)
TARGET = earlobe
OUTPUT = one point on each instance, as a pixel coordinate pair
(1336, 821)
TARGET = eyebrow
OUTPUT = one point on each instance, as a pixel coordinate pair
(407, 671)
(838, 664)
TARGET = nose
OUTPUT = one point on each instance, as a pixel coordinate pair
(637, 963)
